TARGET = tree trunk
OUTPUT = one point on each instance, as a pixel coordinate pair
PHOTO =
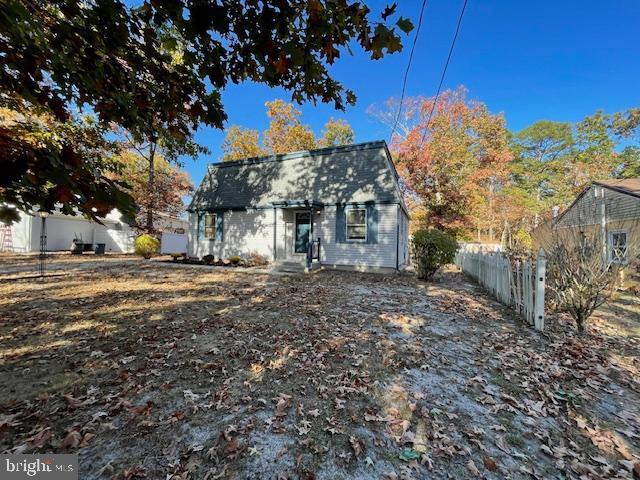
(151, 187)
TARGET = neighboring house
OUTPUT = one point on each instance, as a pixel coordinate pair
(164, 222)
(23, 236)
(346, 198)
(608, 210)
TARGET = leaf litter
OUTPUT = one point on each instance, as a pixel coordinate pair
(151, 371)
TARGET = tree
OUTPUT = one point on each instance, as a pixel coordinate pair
(540, 153)
(161, 66)
(336, 133)
(285, 134)
(629, 163)
(241, 143)
(554, 161)
(46, 163)
(163, 193)
(455, 161)
(158, 147)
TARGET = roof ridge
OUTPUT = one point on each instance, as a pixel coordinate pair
(300, 154)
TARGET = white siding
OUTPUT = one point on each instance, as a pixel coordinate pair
(247, 232)
(403, 247)
(381, 254)
(19, 238)
(244, 233)
(62, 229)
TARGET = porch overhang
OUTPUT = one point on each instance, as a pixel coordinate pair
(298, 204)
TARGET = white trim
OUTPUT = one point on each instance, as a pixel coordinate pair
(214, 226)
(365, 225)
(295, 231)
(624, 261)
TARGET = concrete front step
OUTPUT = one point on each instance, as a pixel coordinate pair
(295, 267)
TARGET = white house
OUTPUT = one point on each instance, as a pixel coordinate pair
(24, 236)
(336, 207)
(61, 230)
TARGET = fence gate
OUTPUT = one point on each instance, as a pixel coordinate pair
(520, 284)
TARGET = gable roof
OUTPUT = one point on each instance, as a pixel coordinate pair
(348, 174)
(630, 186)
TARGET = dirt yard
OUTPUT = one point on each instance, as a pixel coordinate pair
(150, 370)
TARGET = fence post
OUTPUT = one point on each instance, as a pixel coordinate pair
(540, 284)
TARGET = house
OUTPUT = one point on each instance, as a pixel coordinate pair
(61, 230)
(338, 207)
(166, 223)
(609, 212)
(24, 235)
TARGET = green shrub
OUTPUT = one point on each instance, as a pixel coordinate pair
(431, 249)
(235, 260)
(146, 246)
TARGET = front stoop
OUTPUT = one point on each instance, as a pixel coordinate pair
(291, 266)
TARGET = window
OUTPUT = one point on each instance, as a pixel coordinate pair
(356, 224)
(618, 246)
(210, 226)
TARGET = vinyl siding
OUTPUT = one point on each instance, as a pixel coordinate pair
(247, 232)
(587, 209)
(403, 247)
(381, 254)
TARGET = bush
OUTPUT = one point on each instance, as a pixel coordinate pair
(209, 259)
(579, 279)
(257, 260)
(146, 246)
(431, 249)
(235, 260)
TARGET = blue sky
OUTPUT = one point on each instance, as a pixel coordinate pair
(556, 60)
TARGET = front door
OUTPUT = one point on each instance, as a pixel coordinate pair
(301, 240)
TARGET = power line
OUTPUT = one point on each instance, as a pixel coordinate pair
(406, 73)
(444, 71)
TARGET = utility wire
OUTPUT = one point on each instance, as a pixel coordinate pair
(444, 71)
(406, 73)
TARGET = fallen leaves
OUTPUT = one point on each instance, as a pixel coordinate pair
(244, 371)
(471, 466)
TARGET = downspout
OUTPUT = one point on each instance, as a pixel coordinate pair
(603, 227)
(397, 237)
(275, 238)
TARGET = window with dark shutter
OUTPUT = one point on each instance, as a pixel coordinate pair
(210, 226)
(356, 220)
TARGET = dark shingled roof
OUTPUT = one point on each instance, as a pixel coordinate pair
(351, 173)
(630, 186)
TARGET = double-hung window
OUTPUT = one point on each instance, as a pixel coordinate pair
(356, 224)
(618, 242)
(210, 226)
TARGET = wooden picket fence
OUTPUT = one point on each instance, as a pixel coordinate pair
(518, 284)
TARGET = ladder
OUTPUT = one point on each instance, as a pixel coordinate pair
(6, 241)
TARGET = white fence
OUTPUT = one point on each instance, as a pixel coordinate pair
(173, 243)
(520, 284)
